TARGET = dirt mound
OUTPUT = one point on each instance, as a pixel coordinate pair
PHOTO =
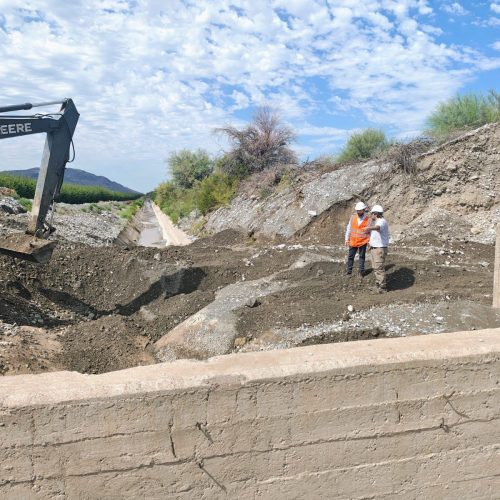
(227, 237)
(105, 306)
(101, 309)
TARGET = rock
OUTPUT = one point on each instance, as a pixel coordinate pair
(6, 208)
(483, 263)
(346, 316)
(437, 192)
(475, 230)
(146, 314)
(252, 303)
(11, 206)
(350, 308)
(240, 342)
(312, 213)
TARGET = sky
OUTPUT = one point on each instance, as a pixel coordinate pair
(152, 77)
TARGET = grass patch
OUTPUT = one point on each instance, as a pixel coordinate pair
(131, 209)
(208, 194)
(26, 203)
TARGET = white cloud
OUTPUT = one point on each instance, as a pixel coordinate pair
(495, 7)
(149, 79)
(496, 45)
(455, 9)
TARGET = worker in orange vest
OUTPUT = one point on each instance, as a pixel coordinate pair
(356, 238)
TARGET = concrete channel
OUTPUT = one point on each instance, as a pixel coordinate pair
(150, 227)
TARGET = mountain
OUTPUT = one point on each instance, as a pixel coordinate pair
(76, 176)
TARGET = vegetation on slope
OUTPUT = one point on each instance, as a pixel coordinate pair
(201, 184)
(261, 160)
(464, 112)
(363, 145)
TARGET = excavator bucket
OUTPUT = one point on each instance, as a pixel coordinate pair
(27, 247)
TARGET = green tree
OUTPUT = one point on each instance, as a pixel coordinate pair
(363, 145)
(186, 167)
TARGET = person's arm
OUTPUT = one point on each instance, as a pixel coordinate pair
(374, 226)
(348, 232)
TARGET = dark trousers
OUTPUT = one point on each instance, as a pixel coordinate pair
(352, 254)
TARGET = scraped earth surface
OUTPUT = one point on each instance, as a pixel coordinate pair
(98, 309)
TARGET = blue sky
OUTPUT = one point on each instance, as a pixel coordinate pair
(151, 77)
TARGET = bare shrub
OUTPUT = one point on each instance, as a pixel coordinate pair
(268, 180)
(260, 145)
(405, 154)
(323, 164)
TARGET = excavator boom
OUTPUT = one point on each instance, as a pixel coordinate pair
(59, 128)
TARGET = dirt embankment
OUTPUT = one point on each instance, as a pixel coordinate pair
(454, 194)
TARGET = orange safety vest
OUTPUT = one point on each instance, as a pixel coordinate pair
(358, 237)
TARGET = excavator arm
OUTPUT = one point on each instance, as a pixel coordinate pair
(59, 128)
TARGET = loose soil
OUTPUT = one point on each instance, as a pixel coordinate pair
(98, 309)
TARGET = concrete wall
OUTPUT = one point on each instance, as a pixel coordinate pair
(413, 417)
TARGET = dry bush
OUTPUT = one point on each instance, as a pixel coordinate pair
(405, 154)
(323, 164)
(262, 144)
(267, 180)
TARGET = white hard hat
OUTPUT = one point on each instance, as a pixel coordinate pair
(378, 209)
(360, 206)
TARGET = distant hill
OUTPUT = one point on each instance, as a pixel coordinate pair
(76, 176)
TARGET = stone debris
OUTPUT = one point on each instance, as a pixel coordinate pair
(10, 205)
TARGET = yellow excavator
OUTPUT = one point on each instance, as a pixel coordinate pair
(59, 127)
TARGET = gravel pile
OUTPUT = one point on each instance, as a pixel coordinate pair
(10, 205)
(393, 320)
(75, 223)
(86, 227)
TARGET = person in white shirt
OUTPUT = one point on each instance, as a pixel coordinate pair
(379, 241)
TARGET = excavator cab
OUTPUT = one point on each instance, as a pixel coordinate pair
(59, 127)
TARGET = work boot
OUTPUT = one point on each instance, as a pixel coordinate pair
(361, 273)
